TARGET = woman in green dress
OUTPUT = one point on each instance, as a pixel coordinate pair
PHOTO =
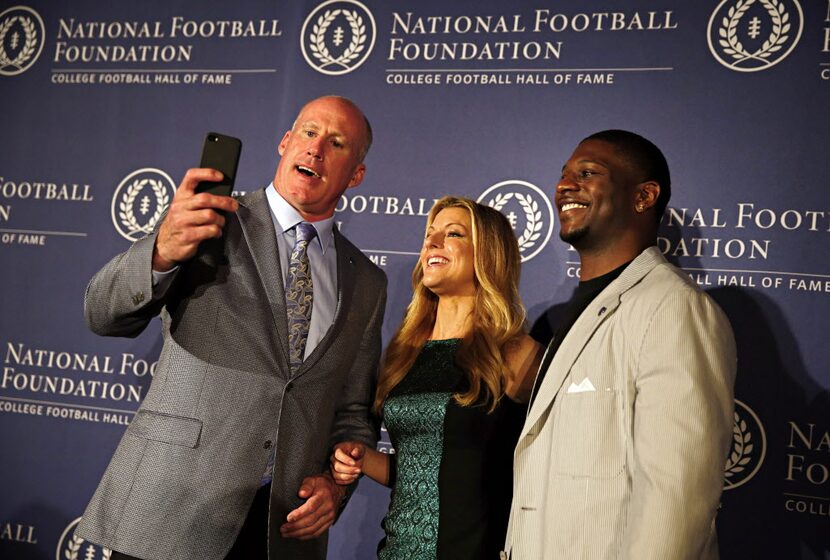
(450, 389)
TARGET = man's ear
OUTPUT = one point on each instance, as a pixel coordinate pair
(357, 176)
(283, 143)
(646, 195)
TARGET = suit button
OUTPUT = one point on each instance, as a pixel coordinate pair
(267, 445)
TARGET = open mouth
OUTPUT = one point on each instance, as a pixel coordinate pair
(307, 171)
(572, 206)
(435, 261)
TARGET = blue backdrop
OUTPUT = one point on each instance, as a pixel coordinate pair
(103, 106)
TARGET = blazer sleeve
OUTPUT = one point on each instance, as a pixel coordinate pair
(119, 299)
(681, 427)
(354, 420)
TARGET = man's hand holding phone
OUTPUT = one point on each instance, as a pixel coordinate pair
(196, 213)
(192, 218)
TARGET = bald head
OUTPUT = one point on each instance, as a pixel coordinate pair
(350, 106)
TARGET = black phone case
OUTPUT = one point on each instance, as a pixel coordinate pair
(220, 152)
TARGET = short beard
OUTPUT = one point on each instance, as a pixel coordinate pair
(574, 236)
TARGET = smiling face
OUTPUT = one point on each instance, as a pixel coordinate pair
(448, 256)
(596, 197)
(321, 157)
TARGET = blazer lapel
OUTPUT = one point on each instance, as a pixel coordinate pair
(258, 227)
(605, 304)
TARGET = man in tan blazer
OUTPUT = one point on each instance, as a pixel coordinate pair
(622, 452)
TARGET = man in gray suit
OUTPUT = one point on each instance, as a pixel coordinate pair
(623, 449)
(228, 453)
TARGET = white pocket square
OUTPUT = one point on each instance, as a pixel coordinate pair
(583, 386)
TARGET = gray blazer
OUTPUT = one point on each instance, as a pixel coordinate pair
(185, 473)
(623, 450)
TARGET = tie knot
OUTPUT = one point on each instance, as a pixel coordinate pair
(305, 232)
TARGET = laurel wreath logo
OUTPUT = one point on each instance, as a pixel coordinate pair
(127, 214)
(28, 46)
(728, 31)
(742, 448)
(73, 547)
(318, 35)
(533, 217)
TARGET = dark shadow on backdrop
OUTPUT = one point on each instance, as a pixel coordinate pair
(773, 381)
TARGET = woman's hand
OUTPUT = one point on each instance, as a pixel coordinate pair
(347, 462)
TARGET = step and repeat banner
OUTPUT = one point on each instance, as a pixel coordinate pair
(103, 106)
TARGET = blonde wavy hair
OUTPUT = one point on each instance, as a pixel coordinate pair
(498, 314)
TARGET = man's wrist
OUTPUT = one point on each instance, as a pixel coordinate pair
(340, 490)
(160, 264)
(339, 493)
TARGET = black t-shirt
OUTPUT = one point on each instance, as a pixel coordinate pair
(585, 293)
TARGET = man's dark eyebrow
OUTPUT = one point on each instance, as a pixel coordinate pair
(588, 160)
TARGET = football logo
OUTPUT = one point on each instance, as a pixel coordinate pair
(21, 39)
(338, 36)
(140, 201)
(528, 210)
(753, 35)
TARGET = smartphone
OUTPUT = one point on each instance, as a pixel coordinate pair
(220, 152)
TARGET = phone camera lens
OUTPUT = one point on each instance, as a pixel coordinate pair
(214, 138)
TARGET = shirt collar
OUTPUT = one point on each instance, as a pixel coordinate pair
(287, 217)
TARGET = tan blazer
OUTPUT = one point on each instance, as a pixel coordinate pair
(622, 452)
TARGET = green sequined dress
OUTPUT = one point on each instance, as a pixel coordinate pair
(452, 487)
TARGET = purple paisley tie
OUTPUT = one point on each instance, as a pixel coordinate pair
(299, 294)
